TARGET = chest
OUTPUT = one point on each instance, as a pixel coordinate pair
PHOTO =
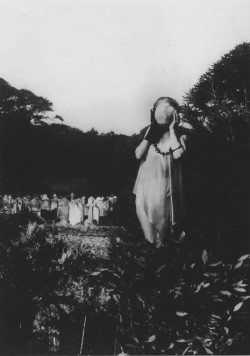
(159, 152)
(165, 143)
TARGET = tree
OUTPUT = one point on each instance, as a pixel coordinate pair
(218, 108)
(228, 78)
(23, 104)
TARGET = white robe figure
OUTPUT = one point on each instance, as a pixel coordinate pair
(86, 210)
(19, 204)
(100, 206)
(35, 206)
(81, 206)
(75, 212)
(54, 202)
(113, 200)
(63, 211)
(45, 202)
(97, 200)
(96, 214)
(106, 206)
(5, 199)
(26, 202)
(90, 204)
(13, 206)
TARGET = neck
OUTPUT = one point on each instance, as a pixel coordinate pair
(166, 132)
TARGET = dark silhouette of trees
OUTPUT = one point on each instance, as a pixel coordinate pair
(218, 108)
(39, 155)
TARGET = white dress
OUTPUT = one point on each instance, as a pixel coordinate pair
(75, 213)
(157, 191)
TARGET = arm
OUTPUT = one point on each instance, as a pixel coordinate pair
(143, 147)
(176, 142)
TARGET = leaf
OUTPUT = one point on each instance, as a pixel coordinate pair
(238, 306)
(204, 256)
(216, 316)
(244, 257)
(240, 289)
(216, 298)
(198, 287)
(209, 352)
(181, 340)
(182, 235)
(159, 244)
(116, 298)
(211, 274)
(225, 292)
(239, 264)
(140, 299)
(112, 284)
(181, 313)
(160, 268)
(206, 285)
(96, 273)
(229, 342)
(215, 264)
(135, 339)
(239, 282)
(131, 345)
(245, 297)
(184, 352)
(151, 338)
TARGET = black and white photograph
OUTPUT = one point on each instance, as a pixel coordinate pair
(124, 177)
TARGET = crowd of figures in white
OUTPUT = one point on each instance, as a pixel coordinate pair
(66, 211)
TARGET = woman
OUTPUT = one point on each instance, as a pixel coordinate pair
(158, 187)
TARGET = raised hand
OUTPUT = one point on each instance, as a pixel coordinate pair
(175, 122)
(155, 131)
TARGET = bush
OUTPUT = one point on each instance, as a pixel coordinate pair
(65, 291)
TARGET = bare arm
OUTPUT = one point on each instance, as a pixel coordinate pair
(178, 142)
(143, 147)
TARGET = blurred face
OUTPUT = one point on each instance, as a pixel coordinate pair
(164, 113)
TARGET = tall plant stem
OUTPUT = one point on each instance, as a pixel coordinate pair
(83, 333)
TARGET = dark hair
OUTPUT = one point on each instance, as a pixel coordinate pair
(171, 101)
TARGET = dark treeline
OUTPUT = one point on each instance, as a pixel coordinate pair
(39, 155)
(218, 109)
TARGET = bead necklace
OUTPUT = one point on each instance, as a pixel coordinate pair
(165, 153)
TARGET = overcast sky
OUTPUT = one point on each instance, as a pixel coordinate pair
(104, 63)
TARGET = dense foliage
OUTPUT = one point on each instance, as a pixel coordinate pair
(228, 78)
(69, 291)
(218, 109)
